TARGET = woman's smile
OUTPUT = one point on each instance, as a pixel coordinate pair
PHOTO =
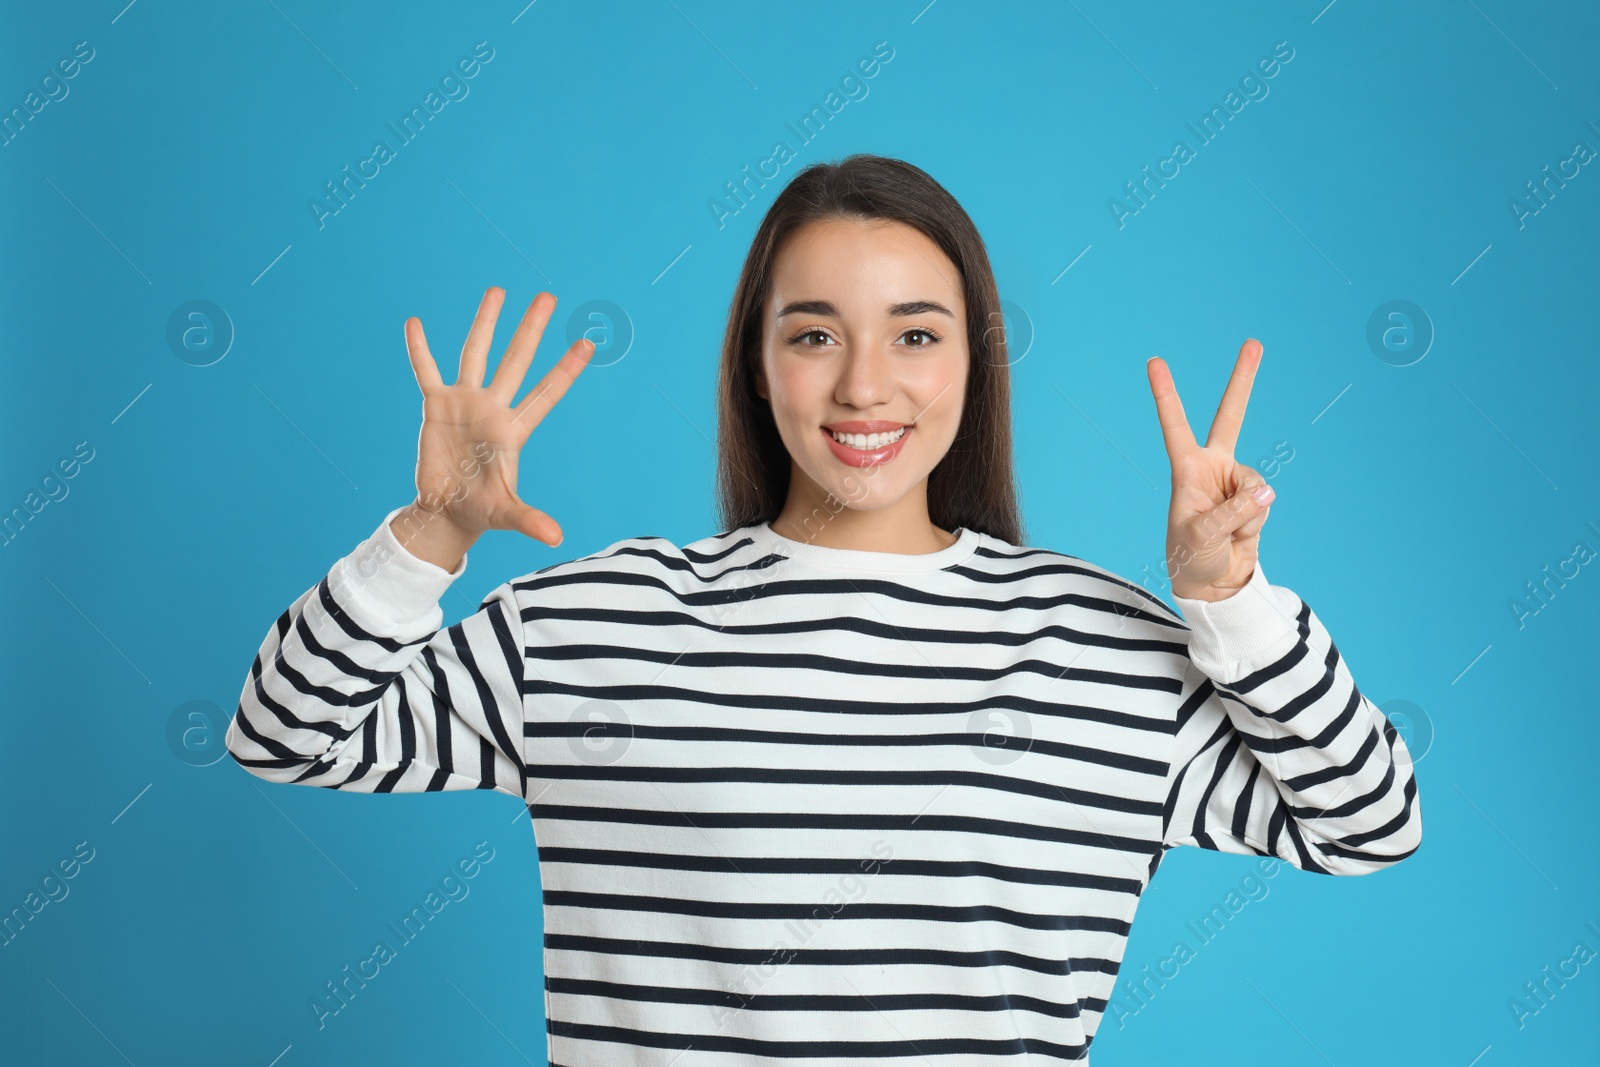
(866, 442)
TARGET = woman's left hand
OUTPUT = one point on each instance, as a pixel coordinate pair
(1214, 520)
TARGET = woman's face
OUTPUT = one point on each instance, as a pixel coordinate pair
(865, 333)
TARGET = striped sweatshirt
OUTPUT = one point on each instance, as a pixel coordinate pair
(812, 806)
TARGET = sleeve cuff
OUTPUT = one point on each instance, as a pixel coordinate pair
(1253, 623)
(389, 590)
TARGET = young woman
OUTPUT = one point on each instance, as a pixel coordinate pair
(858, 778)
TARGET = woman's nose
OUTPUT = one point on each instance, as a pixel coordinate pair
(866, 377)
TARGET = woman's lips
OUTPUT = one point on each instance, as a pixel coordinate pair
(864, 457)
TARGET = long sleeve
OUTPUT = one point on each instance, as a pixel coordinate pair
(1278, 752)
(356, 687)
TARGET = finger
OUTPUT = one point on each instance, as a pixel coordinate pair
(475, 352)
(1245, 476)
(553, 386)
(1169, 410)
(536, 524)
(1253, 526)
(1224, 431)
(1248, 479)
(422, 364)
(519, 353)
(1230, 517)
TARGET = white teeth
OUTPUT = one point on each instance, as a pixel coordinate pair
(869, 441)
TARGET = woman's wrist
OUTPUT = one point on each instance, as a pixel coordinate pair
(431, 537)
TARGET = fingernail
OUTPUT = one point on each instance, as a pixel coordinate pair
(1262, 493)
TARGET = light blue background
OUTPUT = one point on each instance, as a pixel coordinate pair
(1419, 501)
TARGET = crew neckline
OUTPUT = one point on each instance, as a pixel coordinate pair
(864, 560)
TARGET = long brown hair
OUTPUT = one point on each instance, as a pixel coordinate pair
(973, 484)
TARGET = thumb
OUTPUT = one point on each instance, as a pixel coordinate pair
(1241, 514)
(536, 524)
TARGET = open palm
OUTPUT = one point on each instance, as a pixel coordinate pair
(472, 435)
(1214, 519)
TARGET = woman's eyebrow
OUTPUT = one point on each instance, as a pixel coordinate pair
(896, 311)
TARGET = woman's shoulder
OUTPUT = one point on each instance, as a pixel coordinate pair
(1055, 573)
(653, 554)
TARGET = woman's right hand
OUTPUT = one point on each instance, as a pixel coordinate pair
(472, 435)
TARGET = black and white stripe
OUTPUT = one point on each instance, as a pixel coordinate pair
(787, 812)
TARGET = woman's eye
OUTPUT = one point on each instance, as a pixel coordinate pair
(928, 338)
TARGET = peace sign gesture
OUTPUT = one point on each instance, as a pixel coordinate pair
(1214, 520)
